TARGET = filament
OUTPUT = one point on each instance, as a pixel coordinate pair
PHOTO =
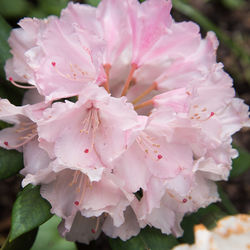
(146, 92)
(129, 79)
(107, 68)
(144, 104)
(19, 85)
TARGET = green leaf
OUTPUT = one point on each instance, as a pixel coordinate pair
(4, 46)
(92, 2)
(11, 162)
(30, 210)
(207, 216)
(14, 8)
(240, 164)
(25, 241)
(226, 203)
(233, 4)
(10, 92)
(52, 7)
(148, 238)
(49, 238)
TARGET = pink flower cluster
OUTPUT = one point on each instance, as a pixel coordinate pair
(150, 130)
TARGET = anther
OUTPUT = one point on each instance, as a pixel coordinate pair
(6, 143)
(76, 203)
(53, 64)
(184, 200)
(93, 231)
(86, 151)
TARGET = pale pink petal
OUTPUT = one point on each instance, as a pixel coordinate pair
(128, 229)
(81, 229)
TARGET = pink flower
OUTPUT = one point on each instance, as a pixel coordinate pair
(154, 115)
(23, 136)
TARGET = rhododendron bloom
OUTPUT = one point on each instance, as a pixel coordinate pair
(231, 232)
(151, 127)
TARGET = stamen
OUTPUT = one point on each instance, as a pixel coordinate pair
(75, 71)
(23, 129)
(146, 143)
(96, 226)
(6, 143)
(146, 92)
(26, 140)
(107, 68)
(85, 181)
(91, 124)
(76, 203)
(144, 104)
(130, 76)
(19, 85)
(86, 151)
(184, 200)
(75, 178)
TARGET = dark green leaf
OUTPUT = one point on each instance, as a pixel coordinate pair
(148, 238)
(240, 164)
(11, 162)
(30, 210)
(13, 94)
(4, 47)
(226, 204)
(207, 216)
(14, 8)
(233, 4)
(49, 238)
(52, 7)
(92, 2)
(25, 241)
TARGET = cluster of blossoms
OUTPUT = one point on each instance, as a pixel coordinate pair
(150, 128)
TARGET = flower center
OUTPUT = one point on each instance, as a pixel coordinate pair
(26, 132)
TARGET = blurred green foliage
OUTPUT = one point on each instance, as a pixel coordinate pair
(49, 238)
(20, 8)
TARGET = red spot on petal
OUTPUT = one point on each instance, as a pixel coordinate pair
(53, 64)
(159, 156)
(86, 151)
(93, 231)
(6, 143)
(76, 203)
(10, 79)
(184, 200)
(212, 114)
